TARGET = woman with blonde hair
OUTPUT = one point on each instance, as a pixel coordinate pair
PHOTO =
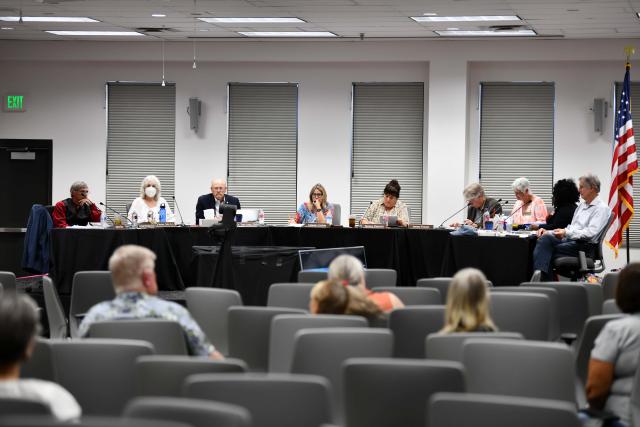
(337, 297)
(468, 303)
(316, 210)
(150, 201)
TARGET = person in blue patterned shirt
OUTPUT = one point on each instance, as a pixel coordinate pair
(134, 279)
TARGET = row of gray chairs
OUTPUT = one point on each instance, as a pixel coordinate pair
(374, 277)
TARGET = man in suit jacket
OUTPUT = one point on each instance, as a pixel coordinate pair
(215, 199)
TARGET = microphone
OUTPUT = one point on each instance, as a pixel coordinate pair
(182, 224)
(454, 214)
(117, 213)
(520, 208)
(492, 211)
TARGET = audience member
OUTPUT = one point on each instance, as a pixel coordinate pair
(478, 204)
(214, 199)
(147, 205)
(467, 307)
(529, 208)
(348, 269)
(316, 210)
(388, 205)
(77, 209)
(337, 297)
(19, 326)
(134, 280)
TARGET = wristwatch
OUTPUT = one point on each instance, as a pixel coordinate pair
(319, 210)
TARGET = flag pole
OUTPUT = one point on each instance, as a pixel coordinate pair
(629, 50)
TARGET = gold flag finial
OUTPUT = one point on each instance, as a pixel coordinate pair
(629, 50)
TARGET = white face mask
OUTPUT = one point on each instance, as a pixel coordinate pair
(150, 192)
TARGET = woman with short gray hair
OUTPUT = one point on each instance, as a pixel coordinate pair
(529, 208)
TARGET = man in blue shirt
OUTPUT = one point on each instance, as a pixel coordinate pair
(589, 219)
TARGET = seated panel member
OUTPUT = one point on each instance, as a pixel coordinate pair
(528, 208)
(214, 199)
(134, 280)
(478, 203)
(317, 210)
(150, 200)
(389, 205)
(590, 217)
(77, 209)
(564, 198)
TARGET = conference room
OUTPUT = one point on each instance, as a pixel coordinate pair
(274, 97)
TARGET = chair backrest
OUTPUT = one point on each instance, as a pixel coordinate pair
(337, 212)
(88, 289)
(165, 375)
(249, 333)
(166, 336)
(393, 392)
(209, 307)
(439, 283)
(526, 313)
(635, 399)
(40, 364)
(310, 276)
(599, 255)
(573, 304)
(87, 421)
(195, 412)
(470, 409)
(590, 332)
(291, 295)
(285, 326)
(410, 327)
(58, 325)
(554, 320)
(594, 298)
(22, 406)
(8, 280)
(610, 307)
(520, 368)
(609, 285)
(99, 373)
(449, 346)
(322, 352)
(414, 296)
(274, 400)
(380, 277)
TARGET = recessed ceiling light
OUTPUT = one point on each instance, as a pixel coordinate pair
(452, 29)
(47, 19)
(95, 33)
(158, 15)
(465, 18)
(253, 20)
(430, 14)
(6, 28)
(287, 34)
(203, 29)
(487, 33)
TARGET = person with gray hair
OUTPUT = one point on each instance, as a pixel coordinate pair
(590, 218)
(19, 326)
(349, 271)
(478, 203)
(134, 279)
(148, 204)
(78, 209)
(529, 208)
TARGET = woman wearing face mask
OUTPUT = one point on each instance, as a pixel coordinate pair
(149, 201)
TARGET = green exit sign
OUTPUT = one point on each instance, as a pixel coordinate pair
(13, 103)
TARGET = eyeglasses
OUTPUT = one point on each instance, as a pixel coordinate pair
(317, 194)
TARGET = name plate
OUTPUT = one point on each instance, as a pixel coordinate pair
(316, 225)
(248, 225)
(373, 226)
(156, 224)
(422, 226)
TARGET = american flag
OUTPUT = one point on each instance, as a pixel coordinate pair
(623, 166)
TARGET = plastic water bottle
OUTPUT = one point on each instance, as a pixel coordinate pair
(134, 220)
(260, 216)
(103, 219)
(486, 217)
(149, 216)
(163, 213)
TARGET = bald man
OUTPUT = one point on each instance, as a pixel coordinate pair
(214, 199)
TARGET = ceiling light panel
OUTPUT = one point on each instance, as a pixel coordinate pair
(95, 33)
(487, 18)
(250, 20)
(486, 33)
(287, 33)
(47, 19)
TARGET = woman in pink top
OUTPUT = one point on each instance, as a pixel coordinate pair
(529, 208)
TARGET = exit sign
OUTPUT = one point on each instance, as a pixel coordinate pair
(13, 103)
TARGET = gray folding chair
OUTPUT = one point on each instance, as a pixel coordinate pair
(439, 283)
(88, 289)
(8, 280)
(520, 368)
(22, 406)
(310, 276)
(449, 346)
(209, 307)
(594, 298)
(380, 277)
(337, 212)
(195, 412)
(100, 374)
(285, 326)
(40, 364)
(166, 336)
(609, 284)
(87, 421)
(610, 307)
(585, 342)
(554, 320)
(58, 324)
(414, 296)
(526, 313)
(410, 327)
(291, 295)
(573, 305)
(322, 352)
(274, 400)
(486, 410)
(393, 392)
(249, 329)
(165, 375)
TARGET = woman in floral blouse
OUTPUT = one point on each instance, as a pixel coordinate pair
(316, 210)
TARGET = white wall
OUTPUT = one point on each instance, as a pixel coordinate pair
(64, 84)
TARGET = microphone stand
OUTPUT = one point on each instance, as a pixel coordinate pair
(454, 214)
(182, 224)
(117, 213)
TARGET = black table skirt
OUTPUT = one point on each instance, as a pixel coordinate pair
(413, 253)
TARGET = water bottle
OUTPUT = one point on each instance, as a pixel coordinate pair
(103, 219)
(134, 219)
(486, 218)
(260, 216)
(149, 216)
(163, 213)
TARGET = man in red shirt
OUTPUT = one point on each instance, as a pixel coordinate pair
(77, 209)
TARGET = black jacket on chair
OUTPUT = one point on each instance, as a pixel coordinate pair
(206, 201)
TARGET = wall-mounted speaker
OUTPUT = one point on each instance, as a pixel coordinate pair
(599, 114)
(193, 110)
